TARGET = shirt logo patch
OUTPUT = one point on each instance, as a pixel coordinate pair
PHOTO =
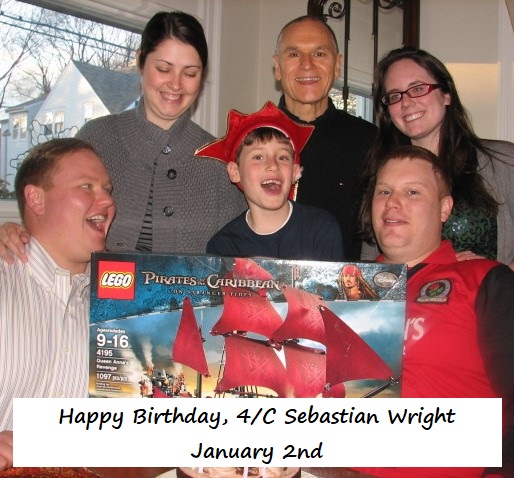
(436, 291)
(116, 280)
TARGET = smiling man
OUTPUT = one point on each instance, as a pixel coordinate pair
(459, 327)
(64, 198)
(306, 63)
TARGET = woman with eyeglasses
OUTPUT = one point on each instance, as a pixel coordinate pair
(416, 102)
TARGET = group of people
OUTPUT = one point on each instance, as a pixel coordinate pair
(425, 180)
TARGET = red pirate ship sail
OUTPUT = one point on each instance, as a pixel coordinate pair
(278, 361)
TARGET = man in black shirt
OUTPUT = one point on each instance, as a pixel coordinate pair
(307, 62)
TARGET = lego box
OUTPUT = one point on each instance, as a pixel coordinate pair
(171, 326)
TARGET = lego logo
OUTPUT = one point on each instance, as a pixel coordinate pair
(117, 279)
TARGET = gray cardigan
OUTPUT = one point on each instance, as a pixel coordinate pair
(192, 196)
(498, 174)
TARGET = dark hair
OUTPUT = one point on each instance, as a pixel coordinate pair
(305, 18)
(263, 134)
(400, 152)
(179, 25)
(458, 144)
(39, 167)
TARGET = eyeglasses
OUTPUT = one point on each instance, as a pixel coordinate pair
(413, 92)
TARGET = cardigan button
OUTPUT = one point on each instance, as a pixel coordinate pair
(168, 211)
(172, 173)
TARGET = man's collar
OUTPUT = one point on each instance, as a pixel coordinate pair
(444, 254)
(326, 115)
(44, 268)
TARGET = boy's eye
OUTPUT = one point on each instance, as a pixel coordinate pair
(284, 157)
(257, 156)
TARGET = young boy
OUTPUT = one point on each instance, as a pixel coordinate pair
(262, 152)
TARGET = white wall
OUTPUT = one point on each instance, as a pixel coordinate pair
(466, 36)
(238, 64)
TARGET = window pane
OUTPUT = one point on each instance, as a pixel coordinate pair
(58, 122)
(358, 105)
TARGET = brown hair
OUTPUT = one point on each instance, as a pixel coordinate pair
(458, 143)
(264, 135)
(179, 25)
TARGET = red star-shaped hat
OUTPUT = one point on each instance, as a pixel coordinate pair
(239, 125)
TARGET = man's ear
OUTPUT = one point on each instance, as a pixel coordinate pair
(446, 207)
(35, 199)
(276, 68)
(297, 173)
(338, 65)
(233, 172)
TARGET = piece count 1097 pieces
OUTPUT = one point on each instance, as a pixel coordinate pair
(149, 416)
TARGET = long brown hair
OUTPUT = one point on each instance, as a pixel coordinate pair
(458, 144)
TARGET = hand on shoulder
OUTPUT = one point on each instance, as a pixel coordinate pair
(467, 255)
(13, 238)
(6, 450)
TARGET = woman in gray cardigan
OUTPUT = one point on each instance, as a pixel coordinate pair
(168, 199)
(416, 102)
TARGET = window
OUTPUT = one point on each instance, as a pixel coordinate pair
(15, 129)
(56, 68)
(58, 122)
(19, 126)
(358, 104)
(47, 124)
